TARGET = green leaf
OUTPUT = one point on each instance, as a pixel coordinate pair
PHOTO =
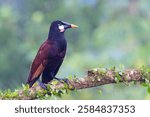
(54, 82)
(100, 91)
(144, 84)
(148, 89)
(70, 77)
(113, 68)
(116, 79)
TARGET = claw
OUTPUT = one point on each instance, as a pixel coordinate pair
(66, 80)
(63, 80)
(43, 85)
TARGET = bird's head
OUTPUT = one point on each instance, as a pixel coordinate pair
(61, 26)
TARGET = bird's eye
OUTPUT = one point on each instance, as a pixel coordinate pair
(61, 27)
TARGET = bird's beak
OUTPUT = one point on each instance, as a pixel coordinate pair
(74, 26)
(69, 25)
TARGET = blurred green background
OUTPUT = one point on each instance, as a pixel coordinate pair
(110, 33)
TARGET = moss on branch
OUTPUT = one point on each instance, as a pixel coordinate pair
(93, 78)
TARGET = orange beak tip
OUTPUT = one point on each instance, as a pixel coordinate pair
(74, 26)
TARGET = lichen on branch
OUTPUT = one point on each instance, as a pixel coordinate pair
(93, 78)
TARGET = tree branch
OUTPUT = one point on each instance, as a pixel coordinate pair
(95, 77)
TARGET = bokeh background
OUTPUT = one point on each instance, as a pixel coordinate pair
(110, 33)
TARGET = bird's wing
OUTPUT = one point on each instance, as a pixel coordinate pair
(40, 61)
(62, 55)
(55, 72)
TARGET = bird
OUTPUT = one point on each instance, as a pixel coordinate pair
(50, 55)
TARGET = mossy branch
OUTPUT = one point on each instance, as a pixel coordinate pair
(94, 77)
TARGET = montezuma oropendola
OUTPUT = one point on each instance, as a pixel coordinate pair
(51, 54)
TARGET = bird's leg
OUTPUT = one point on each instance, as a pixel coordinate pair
(42, 85)
(62, 80)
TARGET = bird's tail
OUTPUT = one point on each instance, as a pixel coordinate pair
(30, 83)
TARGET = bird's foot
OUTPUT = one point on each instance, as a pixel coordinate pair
(42, 85)
(64, 80)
